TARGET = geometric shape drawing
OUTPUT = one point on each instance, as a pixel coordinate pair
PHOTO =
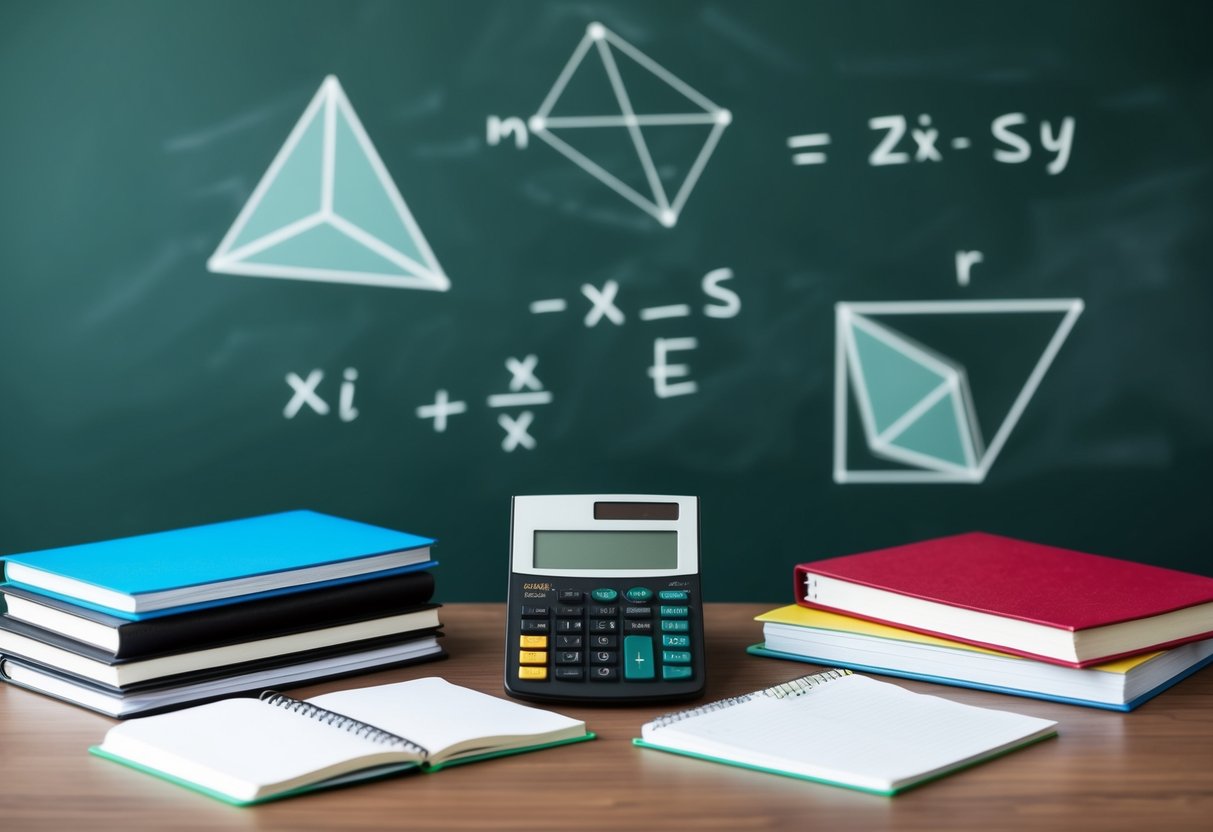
(915, 405)
(327, 209)
(652, 104)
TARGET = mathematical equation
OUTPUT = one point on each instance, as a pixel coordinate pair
(525, 390)
(901, 140)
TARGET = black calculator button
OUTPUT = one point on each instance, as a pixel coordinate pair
(536, 626)
(571, 596)
(604, 625)
(534, 612)
(574, 642)
(604, 657)
(604, 673)
(637, 612)
(569, 657)
(564, 625)
(569, 612)
(570, 674)
(603, 642)
(638, 626)
(604, 612)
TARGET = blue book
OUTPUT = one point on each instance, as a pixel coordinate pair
(221, 563)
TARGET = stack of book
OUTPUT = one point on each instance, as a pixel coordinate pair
(153, 622)
(989, 612)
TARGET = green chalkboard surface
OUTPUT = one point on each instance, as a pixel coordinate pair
(854, 273)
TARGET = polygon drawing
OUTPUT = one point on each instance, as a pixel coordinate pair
(634, 116)
(327, 209)
(915, 405)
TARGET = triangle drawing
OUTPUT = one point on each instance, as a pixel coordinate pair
(327, 210)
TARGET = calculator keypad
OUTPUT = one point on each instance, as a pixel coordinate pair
(606, 635)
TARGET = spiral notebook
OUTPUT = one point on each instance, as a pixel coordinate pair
(246, 751)
(845, 730)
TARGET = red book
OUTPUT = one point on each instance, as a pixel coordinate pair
(1052, 604)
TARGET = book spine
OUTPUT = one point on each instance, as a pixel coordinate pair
(345, 723)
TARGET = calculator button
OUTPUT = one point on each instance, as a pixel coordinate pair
(535, 626)
(675, 656)
(637, 612)
(604, 625)
(673, 672)
(674, 612)
(574, 657)
(675, 626)
(675, 641)
(564, 625)
(569, 612)
(604, 642)
(533, 642)
(534, 612)
(604, 612)
(603, 657)
(532, 657)
(533, 673)
(603, 674)
(574, 642)
(570, 596)
(638, 626)
(638, 657)
(570, 674)
(604, 596)
(639, 594)
(673, 595)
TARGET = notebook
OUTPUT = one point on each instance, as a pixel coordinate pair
(220, 563)
(809, 635)
(228, 624)
(246, 751)
(845, 730)
(1038, 601)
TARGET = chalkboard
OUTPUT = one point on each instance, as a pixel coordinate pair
(854, 273)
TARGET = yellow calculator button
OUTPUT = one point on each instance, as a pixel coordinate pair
(533, 642)
(532, 657)
(532, 673)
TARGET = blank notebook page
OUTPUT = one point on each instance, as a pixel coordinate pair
(856, 726)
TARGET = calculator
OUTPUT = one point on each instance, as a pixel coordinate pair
(604, 599)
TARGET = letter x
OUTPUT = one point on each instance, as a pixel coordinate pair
(305, 393)
(523, 373)
(604, 303)
(515, 430)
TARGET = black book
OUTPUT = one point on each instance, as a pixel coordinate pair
(218, 626)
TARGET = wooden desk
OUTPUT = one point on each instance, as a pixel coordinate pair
(1149, 770)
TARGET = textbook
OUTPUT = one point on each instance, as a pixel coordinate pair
(809, 635)
(220, 563)
(228, 624)
(1043, 602)
(246, 751)
(845, 730)
(85, 661)
(161, 695)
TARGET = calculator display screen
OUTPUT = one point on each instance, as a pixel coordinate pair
(606, 550)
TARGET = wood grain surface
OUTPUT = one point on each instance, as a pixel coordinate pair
(1148, 770)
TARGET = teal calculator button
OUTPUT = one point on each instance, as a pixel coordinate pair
(672, 672)
(638, 657)
(673, 595)
(639, 594)
(675, 641)
(674, 612)
(675, 626)
(604, 596)
(675, 656)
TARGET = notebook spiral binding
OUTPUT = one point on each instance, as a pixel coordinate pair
(345, 723)
(796, 687)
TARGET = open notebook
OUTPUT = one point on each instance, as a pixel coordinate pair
(845, 730)
(246, 751)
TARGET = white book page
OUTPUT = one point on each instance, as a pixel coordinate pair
(446, 718)
(242, 747)
(852, 729)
